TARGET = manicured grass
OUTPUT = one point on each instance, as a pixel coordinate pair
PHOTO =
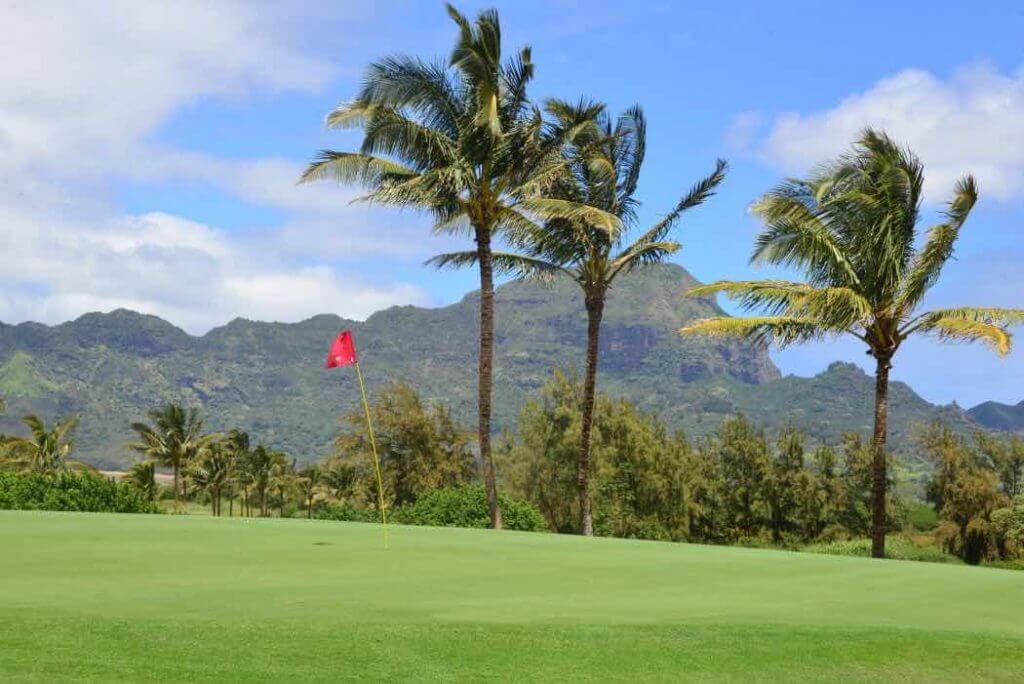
(173, 598)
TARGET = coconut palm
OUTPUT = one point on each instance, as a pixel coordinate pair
(142, 476)
(852, 228)
(309, 482)
(174, 438)
(211, 472)
(606, 157)
(45, 450)
(237, 444)
(282, 478)
(260, 466)
(462, 142)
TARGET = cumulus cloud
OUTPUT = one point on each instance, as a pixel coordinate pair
(84, 88)
(972, 122)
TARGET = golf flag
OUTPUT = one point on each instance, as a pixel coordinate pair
(343, 353)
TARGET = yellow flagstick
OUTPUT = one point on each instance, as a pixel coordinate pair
(376, 458)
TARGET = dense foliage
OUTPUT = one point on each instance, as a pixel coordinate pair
(421, 448)
(737, 484)
(71, 492)
(975, 489)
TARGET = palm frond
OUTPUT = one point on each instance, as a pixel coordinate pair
(698, 194)
(780, 330)
(928, 263)
(795, 236)
(642, 254)
(774, 296)
(964, 330)
(349, 167)
(506, 263)
(548, 208)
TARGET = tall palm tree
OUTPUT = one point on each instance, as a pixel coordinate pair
(211, 472)
(45, 450)
(605, 160)
(852, 228)
(462, 142)
(174, 438)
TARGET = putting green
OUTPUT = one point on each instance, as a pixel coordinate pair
(173, 598)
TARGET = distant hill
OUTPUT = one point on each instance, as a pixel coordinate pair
(268, 378)
(996, 416)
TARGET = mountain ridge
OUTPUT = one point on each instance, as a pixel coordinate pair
(268, 377)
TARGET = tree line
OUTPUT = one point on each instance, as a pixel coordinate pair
(556, 182)
(739, 484)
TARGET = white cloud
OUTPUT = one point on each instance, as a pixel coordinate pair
(189, 273)
(81, 84)
(971, 123)
(83, 89)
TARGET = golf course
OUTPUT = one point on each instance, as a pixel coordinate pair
(98, 597)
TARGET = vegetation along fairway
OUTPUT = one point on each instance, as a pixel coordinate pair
(118, 597)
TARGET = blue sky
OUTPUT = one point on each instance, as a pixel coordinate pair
(148, 151)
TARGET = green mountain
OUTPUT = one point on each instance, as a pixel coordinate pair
(997, 416)
(268, 378)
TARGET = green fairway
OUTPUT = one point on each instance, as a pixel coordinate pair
(175, 598)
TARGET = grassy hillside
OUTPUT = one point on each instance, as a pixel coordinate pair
(268, 378)
(146, 598)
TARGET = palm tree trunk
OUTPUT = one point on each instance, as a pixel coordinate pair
(878, 465)
(176, 487)
(595, 310)
(485, 379)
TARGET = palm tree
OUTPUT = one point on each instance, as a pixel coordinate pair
(260, 468)
(309, 482)
(142, 476)
(45, 450)
(340, 478)
(237, 444)
(852, 229)
(211, 472)
(606, 157)
(174, 439)
(282, 478)
(462, 142)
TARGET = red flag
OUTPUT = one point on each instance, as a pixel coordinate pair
(343, 351)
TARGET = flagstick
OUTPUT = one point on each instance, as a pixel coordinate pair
(376, 459)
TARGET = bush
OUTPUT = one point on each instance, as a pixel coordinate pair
(896, 548)
(466, 506)
(1009, 526)
(71, 492)
(347, 513)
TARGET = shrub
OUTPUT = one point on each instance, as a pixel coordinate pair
(347, 513)
(71, 492)
(1009, 526)
(896, 548)
(466, 506)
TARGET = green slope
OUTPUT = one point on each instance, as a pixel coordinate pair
(268, 377)
(146, 598)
